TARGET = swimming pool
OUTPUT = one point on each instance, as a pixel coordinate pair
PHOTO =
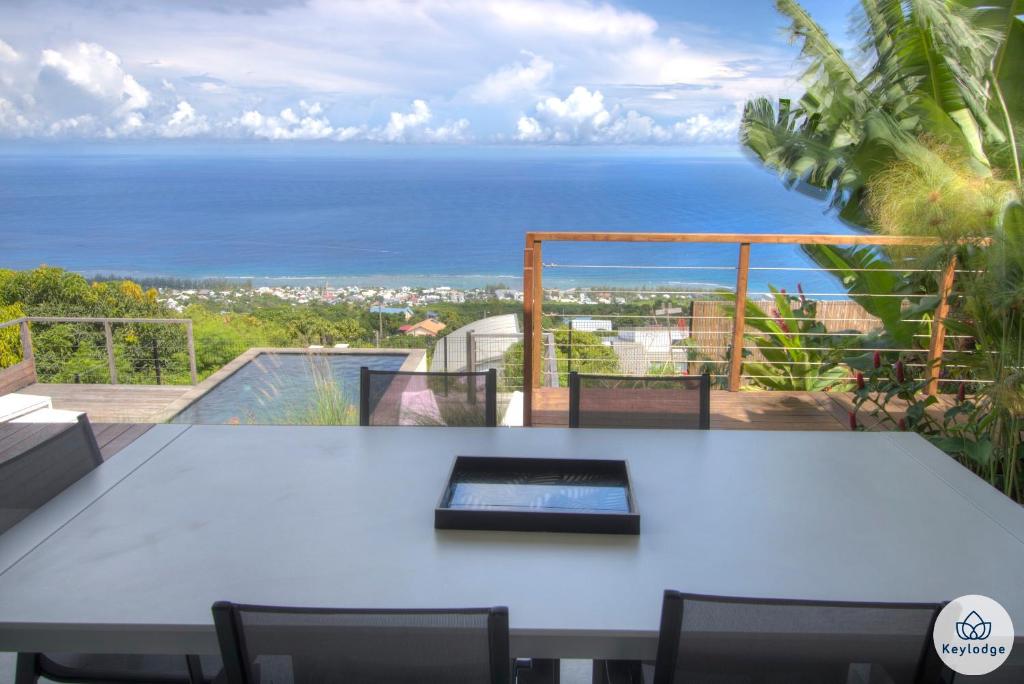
(288, 389)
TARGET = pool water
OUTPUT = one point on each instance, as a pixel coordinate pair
(288, 389)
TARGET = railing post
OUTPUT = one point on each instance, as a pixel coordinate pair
(108, 334)
(938, 341)
(529, 340)
(191, 341)
(156, 361)
(470, 352)
(739, 319)
(27, 353)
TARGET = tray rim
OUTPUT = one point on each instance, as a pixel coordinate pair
(626, 522)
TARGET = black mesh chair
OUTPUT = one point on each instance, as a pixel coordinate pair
(261, 644)
(725, 640)
(116, 669)
(441, 399)
(40, 460)
(672, 401)
(37, 462)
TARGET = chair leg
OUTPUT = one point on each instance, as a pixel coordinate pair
(26, 671)
(195, 670)
(540, 671)
(617, 672)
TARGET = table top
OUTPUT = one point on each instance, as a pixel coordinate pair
(136, 552)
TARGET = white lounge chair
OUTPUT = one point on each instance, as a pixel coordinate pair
(16, 405)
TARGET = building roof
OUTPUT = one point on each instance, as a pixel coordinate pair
(429, 325)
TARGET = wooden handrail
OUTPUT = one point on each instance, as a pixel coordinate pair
(533, 288)
(731, 238)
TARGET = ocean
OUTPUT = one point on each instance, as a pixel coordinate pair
(392, 216)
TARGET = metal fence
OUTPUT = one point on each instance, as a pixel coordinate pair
(501, 351)
(771, 338)
(152, 351)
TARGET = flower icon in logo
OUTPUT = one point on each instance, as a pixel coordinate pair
(973, 628)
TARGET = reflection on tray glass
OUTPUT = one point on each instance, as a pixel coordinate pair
(530, 491)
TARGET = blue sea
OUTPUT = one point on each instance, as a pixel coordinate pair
(393, 216)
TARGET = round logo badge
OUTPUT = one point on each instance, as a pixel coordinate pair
(973, 635)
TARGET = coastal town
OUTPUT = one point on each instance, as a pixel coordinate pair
(391, 300)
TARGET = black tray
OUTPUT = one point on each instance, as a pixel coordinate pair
(538, 495)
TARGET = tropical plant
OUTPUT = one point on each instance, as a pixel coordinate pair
(791, 349)
(583, 352)
(10, 337)
(983, 427)
(880, 286)
(941, 97)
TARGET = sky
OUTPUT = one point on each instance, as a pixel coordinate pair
(446, 72)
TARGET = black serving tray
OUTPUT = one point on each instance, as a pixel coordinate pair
(538, 495)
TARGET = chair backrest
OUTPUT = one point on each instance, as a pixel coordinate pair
(740, 641)
(670, 401)
(468, 399)
(262, 644)
(40, 460)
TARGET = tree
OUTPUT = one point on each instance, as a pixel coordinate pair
(10, 337)
(586, 353)
(942, 99)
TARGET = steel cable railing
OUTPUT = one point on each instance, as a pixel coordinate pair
(657, 320)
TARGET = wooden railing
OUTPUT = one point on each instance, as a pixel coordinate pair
(533, 290)
(28, 366)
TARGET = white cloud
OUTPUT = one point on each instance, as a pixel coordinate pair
(412, 126)
(7, 53)
(184, 122)
(12, 120)
(513, 81)
(603, 21)
(582, 117)
(98, 71)
(312, 124)
(287, 125)
(348, 70)
(400, 125)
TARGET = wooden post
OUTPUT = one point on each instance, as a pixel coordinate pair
(938, 340)
(739, 320)
(27, 354)
(191, 340)
(527, 332)
(470, 352)
(111, 365)
(538, 314)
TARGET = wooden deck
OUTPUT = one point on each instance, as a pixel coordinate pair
(112, 403)
(112, 437)
(147, 404)
(729, 410)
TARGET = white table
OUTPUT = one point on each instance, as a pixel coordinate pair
(131, 558)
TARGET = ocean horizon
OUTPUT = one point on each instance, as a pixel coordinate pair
(391, 216)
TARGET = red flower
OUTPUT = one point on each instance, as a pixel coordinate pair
(903, 424)
(901, 374)
(961, 392)
(860, 381)
(877, 359)
(853, 420)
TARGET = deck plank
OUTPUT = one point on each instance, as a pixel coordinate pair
(120, 436)
(111, 403)
(729, 410)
